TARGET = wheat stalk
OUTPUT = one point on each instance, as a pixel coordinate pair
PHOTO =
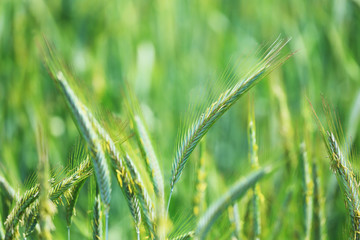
(96, 223)
(254, 162)
(319, 207)
(202, 125)
(308, 189)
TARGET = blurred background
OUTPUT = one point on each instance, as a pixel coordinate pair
(166, 51)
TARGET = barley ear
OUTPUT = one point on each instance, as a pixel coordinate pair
(80, 114)
(11, 223)
(146, 204)
(342, 169)
(233, 194)
(206, 120)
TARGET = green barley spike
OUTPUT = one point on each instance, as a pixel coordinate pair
(201, 126)
(347, 181)
(127, 186)
(232, 195)
(143, 196)
(80, 115)
(31, 195)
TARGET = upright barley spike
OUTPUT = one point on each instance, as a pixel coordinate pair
(227, 99)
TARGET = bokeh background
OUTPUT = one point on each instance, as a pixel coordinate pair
(166, 51)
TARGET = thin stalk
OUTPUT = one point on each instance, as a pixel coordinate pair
(308, 189)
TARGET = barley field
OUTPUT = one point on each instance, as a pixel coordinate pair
(171, 119)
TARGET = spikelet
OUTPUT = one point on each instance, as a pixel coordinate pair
(17, 212)
(233, 194)
(143, 197)
(126, 184)
(31, 195)
(184, 236)
(201, 126)
(31, 219)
